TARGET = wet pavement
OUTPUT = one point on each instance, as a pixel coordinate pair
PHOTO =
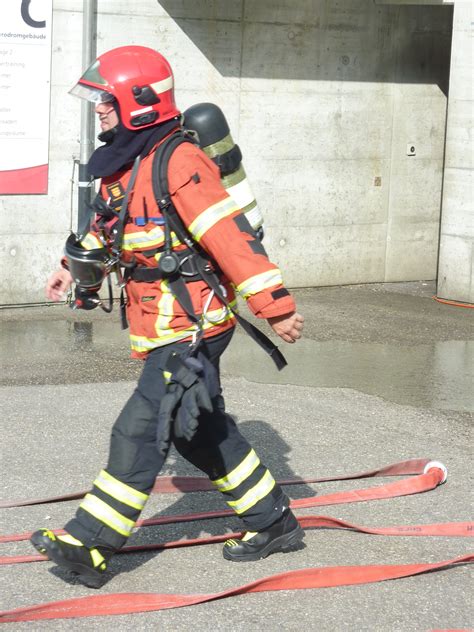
(381, 340)
(384, 373)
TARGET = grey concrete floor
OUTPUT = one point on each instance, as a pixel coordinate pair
(384, 373)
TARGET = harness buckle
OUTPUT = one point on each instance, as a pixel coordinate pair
(208, 268)
(193, 271)
(165, 201)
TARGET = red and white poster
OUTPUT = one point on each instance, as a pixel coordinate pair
(25, 85)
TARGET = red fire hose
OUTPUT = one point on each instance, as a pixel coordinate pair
(173, 484)
(428, 475)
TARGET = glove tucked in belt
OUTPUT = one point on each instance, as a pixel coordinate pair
(186, 396)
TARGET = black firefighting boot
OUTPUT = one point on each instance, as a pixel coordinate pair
(284, 535)
(88, 565)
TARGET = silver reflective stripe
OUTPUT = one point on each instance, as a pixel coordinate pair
(210, 319)
(211, 216)
(140, 343)
(254, 215)
(254, 495)
(148, 108)
(107, 515)
(260, 282)
(120, 491)
(162, 86)
(241, 193)
(165, 311)
(153, 237)
(238, 474)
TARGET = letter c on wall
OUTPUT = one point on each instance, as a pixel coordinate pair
(25, 14)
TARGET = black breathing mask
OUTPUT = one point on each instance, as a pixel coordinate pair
(89, 269)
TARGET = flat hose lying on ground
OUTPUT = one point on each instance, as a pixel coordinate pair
(452, 303)
(427, 476)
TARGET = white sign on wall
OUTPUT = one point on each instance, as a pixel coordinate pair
(25, 82)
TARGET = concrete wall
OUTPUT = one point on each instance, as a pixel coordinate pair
(456, 257)
(323, 97)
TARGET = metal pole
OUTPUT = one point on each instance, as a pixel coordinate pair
(89, 53)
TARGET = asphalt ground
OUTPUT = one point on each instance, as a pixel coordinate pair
(383, 374)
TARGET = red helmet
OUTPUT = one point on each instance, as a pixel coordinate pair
(139, 78)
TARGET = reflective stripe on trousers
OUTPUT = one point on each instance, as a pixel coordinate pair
(107, 515)
(247, 484)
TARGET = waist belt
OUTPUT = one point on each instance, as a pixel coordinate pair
(194, 267)
(148, 274)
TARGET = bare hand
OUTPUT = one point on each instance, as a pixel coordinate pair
(288, 327)
(58, 284)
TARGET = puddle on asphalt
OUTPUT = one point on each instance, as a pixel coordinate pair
(55, 338)
(439, 375)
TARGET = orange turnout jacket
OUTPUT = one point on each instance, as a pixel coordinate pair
(155, 316)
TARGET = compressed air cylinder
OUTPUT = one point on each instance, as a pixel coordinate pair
(216, 141)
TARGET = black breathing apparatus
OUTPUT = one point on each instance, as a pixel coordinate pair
(89, 269)
(169, 262)
(206, 124)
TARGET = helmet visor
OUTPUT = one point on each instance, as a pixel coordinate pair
(95, 95)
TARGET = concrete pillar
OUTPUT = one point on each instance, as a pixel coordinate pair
(456, 256)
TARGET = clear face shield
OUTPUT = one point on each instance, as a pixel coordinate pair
(93, 93)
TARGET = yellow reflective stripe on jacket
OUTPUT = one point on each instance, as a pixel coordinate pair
(217, 316)
(141, 343)
(147, 238)
(143, 238)
(165, 311)
(106, 514)
(260, 282)
(211, 216)
(120, 491)
(256, 493)
(238, 474)
(91, 242)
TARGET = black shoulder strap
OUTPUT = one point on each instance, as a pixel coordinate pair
(161, 192)
(117, 246)
(161, 187)
(163, 198)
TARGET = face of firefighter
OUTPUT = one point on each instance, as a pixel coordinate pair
(108, 117)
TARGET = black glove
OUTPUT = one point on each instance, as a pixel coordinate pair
(186, 395)
(193, 401)
(85, 299)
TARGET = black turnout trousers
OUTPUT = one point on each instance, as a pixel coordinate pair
(108, 513)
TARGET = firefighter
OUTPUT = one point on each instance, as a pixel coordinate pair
(178, 397)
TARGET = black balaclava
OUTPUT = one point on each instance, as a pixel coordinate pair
(123, 145)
